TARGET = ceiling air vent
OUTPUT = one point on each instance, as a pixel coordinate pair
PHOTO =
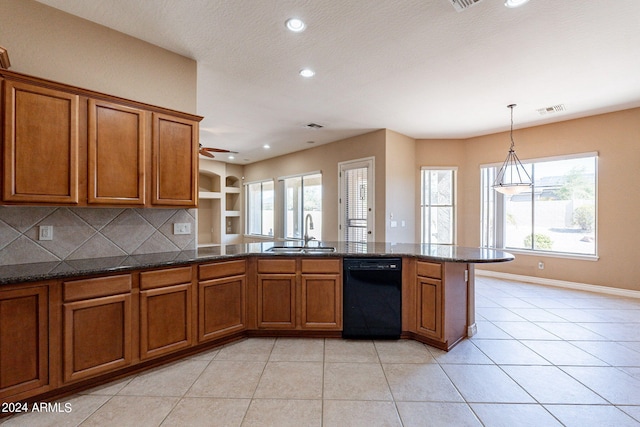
(313, 126)
(460, 5)
(550, 110)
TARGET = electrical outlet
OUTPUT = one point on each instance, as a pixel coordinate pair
(541, 265)
(45, 232)
(181, 228)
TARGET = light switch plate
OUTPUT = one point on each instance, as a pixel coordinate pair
(181, 228)
(45, 232)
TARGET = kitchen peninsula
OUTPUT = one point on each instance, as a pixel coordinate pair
(72, 324)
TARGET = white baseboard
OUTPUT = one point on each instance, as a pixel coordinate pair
(472, 330)
(560, 283)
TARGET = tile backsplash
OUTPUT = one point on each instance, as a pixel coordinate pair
(80, 233)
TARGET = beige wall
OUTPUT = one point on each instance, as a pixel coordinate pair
(400, 185)
(616, 138)
(45, 42)
(325, 158)
(442, 153)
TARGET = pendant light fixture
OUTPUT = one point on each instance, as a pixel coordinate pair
(512, 178)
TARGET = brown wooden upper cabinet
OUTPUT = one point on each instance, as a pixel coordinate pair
(41, 142)
(64, 145)
(117, 137)
(175, 161)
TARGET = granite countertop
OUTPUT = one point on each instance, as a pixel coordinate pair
(21, 273)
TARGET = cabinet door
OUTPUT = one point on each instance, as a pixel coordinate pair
(175, 161)
(277, 301)
(429, 308)
(165, 320)
(97, 336)
(24, 343)
(321, 301)
(221, 307)
(116, 149)
(40, 145)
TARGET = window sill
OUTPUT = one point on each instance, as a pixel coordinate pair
(582, 257)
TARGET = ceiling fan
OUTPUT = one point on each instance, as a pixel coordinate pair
(206, 151)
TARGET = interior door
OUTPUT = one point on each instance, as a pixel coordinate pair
(356, 203)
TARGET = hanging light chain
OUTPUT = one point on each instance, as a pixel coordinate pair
(510, 106)
(512, 166)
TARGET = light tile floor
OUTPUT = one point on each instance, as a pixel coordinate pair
(543, 356)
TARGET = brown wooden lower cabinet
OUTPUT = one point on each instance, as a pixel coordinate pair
(97, 331)
(321, 294)
(221, 307)
(222, 290)
(441, 303)
(100, 322)
(299, 293)
(276, 301)
(321, 302)
(24, 341)
(165, 311)
(429, 303)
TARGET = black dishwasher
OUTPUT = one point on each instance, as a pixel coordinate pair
(372, 298)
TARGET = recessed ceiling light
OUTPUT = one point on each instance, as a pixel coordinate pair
(232, 157)
(295, 24)
(307, 72)
(514, 3)
(266, 146)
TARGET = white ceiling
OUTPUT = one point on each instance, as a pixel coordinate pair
(414, 66)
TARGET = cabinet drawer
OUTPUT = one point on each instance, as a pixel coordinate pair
(222, 269)
(166, 277)
(314, 265)
(429, 269)
(98, 287)
(277, 265)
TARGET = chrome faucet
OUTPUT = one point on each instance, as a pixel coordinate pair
(308, 225)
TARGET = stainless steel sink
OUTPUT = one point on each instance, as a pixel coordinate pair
(286, 249)
(319, 249)
(301, 249)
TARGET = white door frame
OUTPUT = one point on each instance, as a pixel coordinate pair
(369, 163)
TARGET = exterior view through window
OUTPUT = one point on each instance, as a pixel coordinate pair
(557, 215)
(437, 206)
(302, 197)
(260, 208)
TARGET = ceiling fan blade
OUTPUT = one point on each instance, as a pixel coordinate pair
(206, 153)
(218, 150)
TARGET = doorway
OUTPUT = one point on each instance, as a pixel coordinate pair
(356, 201)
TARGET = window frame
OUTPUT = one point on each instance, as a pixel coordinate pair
(248, 205)
(493, 215)
(282, 219)
(426, 222)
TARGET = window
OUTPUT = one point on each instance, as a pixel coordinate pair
(557, 215)
(302, 197)
(437, 205)
(260, 208)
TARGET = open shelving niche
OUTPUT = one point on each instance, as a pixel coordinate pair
(220, 203)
